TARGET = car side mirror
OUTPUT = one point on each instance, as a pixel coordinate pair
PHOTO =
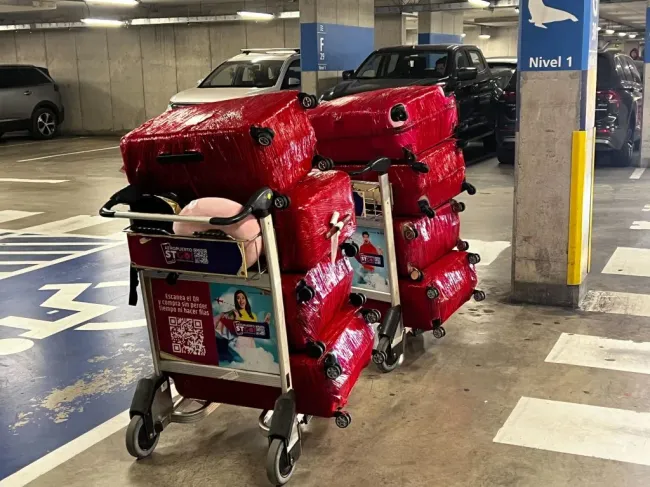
(467, 74)
(349, 74)
(293, 82)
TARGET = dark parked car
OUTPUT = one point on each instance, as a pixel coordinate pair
(459, 69)
(29, 100)
(503, 69)
(619, 102)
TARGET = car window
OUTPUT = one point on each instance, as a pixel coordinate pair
(619, 68)
(461, 60)
(627, 74)
(244, 74)
(10, 78)
(605, 77)
(477, 60)
(404, 65)
(630, 68)
(32, 77)
(294, 71)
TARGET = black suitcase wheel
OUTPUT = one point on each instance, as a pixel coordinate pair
(462, 245)
(410, 232)
(439, 332)
(332, 368)
(281, 201)
(426, 208)
(307, 101)
(371, 315)
(349, 249)
(457, 206)
(398, 113)
(357, 299)
(473, 258)
(263, 136)
(304, 293)
(342, 419)
(322, 163)
(416, 275)
(315, 350)
(478, 296)
(470, 188)
(432, 293)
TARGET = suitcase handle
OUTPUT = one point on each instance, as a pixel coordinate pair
(258, 205)
(380, 165)
(187, 156)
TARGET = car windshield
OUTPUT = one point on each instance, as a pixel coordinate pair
(404, 65)
(244, 74)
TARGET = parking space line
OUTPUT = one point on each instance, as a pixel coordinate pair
(628, 261)
(640, 225)
(10, 215)
(488, 250)
(42, 181)
(68, 154)
(646, 208)
(67, 225)
(617, 303)
(637, 173)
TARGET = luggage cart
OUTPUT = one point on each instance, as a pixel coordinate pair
(373, 205)
(182, 279)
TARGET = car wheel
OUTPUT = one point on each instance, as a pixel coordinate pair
(505, 156)
(490, 143)
(44, 124)
(626, 152)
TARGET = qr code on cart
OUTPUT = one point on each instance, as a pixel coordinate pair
(187, 336)
(201, 256)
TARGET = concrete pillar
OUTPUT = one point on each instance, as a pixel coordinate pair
(335, 36)
(645, 122)
(440, 27)
(554, 151)
(390, 30)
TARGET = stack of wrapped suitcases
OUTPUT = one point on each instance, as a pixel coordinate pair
(414, 127)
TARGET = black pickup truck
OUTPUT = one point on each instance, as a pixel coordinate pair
(458, 68)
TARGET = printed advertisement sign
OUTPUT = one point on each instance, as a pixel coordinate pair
(370, 266)
(216, 324)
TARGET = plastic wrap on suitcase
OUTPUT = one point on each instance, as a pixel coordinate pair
(228, 149)
(302, 227)
(383, 123)
(420, 241)
(446, 285)
(312, 300)
(412, 188)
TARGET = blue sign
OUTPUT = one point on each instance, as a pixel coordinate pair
(646, 51)
(334, 47)
(558, 35)
(436, 38)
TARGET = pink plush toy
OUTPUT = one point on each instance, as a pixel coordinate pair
(247, 229)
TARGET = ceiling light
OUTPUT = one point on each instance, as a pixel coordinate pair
(463, 35)
(290, 15)
(15, 27)
(609, 31)
(599, 28)
(479, 3)
(255, 15)
(622, 34)
(517, 9)
(632, 35)
(484, 36)
(124, 3)
(103, 22)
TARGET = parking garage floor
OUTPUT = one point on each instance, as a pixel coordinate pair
(513, 396)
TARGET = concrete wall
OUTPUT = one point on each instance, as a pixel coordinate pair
(112, 80)
(390, 30)
(503, 41)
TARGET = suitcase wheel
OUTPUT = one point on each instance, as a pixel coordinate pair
(439, 332)
(420, 167)
(410, 233)
(263, 136)
(307, 101)
(478, 296)
(462, 245)
(342, 419)
(470, 188)
(426, 208)
(409, 155)
(473, 258)
(432, 293)
(332, 368)
(457, 206)
(371, 315)
(281, 202)
(416, 275)
(398, 113)
(304, 293)
(322, 163)
(357, 299)
(349, 249)
(315, 350)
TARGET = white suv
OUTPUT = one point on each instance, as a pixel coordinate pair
(252, 72)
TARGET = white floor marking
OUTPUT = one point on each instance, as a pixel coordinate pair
(488, 250)
(36, 252)
(43, 181)
(68, 154)
(10, 215)
(646, 208)
(617, 303)
(578, 429)
(640, 225)
(627, 261)
(67, 225)
(601, 353)
(15, 345)
(21, 262)
(102, 285)
(48, 244)
(118, 325)
(72, 237)
(637, 173)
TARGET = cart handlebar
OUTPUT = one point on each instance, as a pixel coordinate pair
(258, 205)
(380, 165)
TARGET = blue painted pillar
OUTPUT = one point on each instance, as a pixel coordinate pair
(554, 153)
(644, 160)
(440, 27)
(334, 37)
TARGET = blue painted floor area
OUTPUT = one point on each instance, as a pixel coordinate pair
(72, 380)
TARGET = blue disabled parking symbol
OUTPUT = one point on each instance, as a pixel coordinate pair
(558, 35)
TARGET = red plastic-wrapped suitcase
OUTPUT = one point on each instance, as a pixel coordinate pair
(303, 215)
(228, 149)
(312, 300)
(384, 123)
(420, 241)
(445, 286)
(419, 188)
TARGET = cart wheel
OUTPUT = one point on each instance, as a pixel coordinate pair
(479, 295)
(416, 275)
(432, 293)
(470, 188)
(349, 249)
(342, 419)
(371, 316)
(137, 443)
(263, 136)
(390, 360)
(439, 332)
(279, 463)
(458, 207)
(462, 245)
(307, 101)
(281, 202)
(357, 299)
(410, 232)
(322, 163)
(316, 349)
(473, 258)
(398, 113)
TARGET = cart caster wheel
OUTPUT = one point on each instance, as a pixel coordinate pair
(410, 232)
(316, 349)
(462, 245)
(439, 332)
(305, 293)
(307, 101)
(357, 299)
(350, 249)
(137, 443)
(384, 358)
(371, 315)
(280, 465)
(398, 113)
(470, 188)
(432, 293)
(473, 258)
(263, 136)
(281, 202)
(416, 275)
(479, 296)
(458, 207)
(342, 419)
(426, 209)
(322, 163)
(332, 368)
(378, 357)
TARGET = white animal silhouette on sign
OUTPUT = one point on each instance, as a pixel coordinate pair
(540, 14)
